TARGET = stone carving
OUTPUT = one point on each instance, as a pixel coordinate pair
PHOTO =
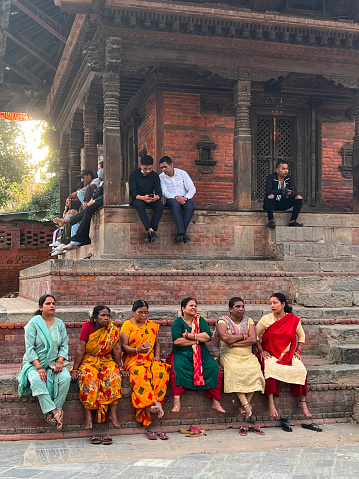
(94, 53)
(113, 53)
(346, 152)
(205, 162)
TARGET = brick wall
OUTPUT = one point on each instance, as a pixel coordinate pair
(336, 190)
(21, 245)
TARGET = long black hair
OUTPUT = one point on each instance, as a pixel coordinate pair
(42, 299)
(282, 299)
(140, 303)
(96, 311)
(184, 303)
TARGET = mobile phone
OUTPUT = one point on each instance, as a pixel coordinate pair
(151, 195)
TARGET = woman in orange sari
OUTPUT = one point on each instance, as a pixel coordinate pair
(98, 364)
(148, 375)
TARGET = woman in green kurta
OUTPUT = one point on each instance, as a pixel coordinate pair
(193, 366)
(42, 372)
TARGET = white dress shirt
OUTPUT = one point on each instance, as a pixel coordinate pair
(180, 184)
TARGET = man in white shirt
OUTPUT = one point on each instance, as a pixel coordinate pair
(178, 189)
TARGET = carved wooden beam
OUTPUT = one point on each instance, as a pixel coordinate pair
(356, 154)
(26, 75)
(32, 48)
(44, 20)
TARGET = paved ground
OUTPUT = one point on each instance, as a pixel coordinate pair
(302, 454)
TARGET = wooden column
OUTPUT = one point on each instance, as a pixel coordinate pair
(64, 171)
(76, 137)
(356, 155)
(111, 123)
(242, 161)
(90, 138)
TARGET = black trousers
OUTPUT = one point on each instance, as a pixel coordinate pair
(84, 228)
(182, 222)
(157, 207)
(271, 205)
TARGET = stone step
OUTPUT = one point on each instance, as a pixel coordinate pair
(326, 283)
(340, 374)
(344, 354)
(317, 251)
(326, 299)
(340, 333)
(312, 234)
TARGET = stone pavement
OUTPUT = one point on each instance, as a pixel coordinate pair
(302, 454)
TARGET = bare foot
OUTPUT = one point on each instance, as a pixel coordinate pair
(88, 419)
(242, 410)
(176, 406)
(217, 406)
(161, 412)
(304, 408)
(58, 221)
(272, 411)
(114, 420)
(152, 409)
(248, 411)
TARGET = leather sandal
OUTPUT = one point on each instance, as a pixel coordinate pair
(256, 430)
(162, 435)
(151, 436)
(243, 430)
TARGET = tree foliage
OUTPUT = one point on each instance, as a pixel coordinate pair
(14, 158)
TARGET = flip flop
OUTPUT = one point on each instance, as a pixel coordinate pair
(151, 436)
(106, 439)
(96, 439)
(286, 426)
(162, 435)
(243, 430)
(256, 430)
(193, 432)
(312, 427)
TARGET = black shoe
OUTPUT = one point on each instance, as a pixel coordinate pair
(82, 241)
(271, 224)
(179, 238)
(186, 239)
(148, 237)
(154, 237)
(294, 223)
(286, 425)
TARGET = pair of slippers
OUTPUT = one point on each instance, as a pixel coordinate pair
(193, 432)
(287, 427)
(105, 439)
(153, 436)
(243, 430)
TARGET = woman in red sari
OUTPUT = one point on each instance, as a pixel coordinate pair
(280, 352)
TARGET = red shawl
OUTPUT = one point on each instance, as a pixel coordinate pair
(277, 337)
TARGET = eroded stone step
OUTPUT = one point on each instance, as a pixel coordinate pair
(317, 284)
(340, 333)
(317, 251)
(312, 234)
(341, 374)
(344, 354)
(326, 299)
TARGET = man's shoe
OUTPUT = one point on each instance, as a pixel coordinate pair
(295, 223)
(55, 244)
(179, 238)
(148, 238)
(154, 237)
(271, 224)
(186, 239)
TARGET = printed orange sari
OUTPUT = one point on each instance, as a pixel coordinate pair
(99, 375)
(148, 378)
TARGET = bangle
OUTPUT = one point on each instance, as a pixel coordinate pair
(75, 370)
(38, 369)
(136, 350)
(298, 351)
(195, 336)
(260, 351)
(186, 334)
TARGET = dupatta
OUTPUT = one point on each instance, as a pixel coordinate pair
(198, 379)
(279, 335)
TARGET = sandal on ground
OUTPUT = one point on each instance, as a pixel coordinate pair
(151, 436)
(162, 435)
(286, 425)
(106, 439)
(312, 427)
(59, 423)
(256, 430)
(96, 439)
(49, 418)
(243, 430)
(193, 432)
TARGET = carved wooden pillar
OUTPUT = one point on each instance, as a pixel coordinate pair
(90, 138)
(64, 171)
(111, 122)
(76, 137)
(356, 155)
(242, 176)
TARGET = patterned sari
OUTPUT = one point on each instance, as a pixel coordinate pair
(148, 378)
(100, 379)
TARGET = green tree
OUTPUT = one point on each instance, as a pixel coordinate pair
(14, 158)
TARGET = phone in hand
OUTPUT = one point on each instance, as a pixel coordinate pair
(147, 344)
(151, 195)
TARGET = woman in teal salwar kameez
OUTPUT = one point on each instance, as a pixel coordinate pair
(42, 372)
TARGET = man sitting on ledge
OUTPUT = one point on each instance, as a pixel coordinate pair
(178, 189)
(145, 190)
(281, 194)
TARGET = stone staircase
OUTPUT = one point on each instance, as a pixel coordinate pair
(340, 343)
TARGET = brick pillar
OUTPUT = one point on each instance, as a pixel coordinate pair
(111, 123)
(64, 171)
(90, 139)
(75, 153)
(242, 174)
(356, 155)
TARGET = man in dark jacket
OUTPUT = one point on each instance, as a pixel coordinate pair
(281, 194)
(145, 191)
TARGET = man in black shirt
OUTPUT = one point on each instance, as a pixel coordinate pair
(281, 194)
(145, 190)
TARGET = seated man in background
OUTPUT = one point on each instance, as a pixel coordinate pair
(90, 184)
(281, 194)
(145, 190)
(178, 189)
